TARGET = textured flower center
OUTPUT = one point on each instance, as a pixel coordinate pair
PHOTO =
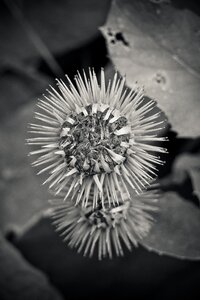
(95, 139)
(104, 218)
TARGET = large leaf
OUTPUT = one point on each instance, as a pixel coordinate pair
(18, 87)
(190, 163)
(19, 280)
(185, 171)
(158, 46)
(176, 230)
(177, 224)
(195, 177)
(21, 194)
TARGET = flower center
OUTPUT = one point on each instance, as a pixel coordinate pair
(109, 217)
(95, 140)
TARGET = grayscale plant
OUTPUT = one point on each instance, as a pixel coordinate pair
(96, 142)
(106, 229)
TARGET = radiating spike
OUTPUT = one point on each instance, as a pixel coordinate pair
(98, 183)
(97, 144)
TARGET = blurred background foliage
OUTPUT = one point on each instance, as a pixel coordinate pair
(155, 43)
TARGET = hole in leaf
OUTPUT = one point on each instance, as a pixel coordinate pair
(160, 78)
(120, 37)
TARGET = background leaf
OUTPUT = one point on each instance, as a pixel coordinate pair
(21, 193)
(195, 176)
(19, 280)
(190, 163)
(177, 228)
(158, 45)
(24, 23)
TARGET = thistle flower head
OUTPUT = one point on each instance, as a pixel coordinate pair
(104, 230)
(94, 139)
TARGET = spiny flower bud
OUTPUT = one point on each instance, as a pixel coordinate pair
(105, 231)
(95, 139)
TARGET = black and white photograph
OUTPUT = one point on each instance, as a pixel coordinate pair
(99, 149)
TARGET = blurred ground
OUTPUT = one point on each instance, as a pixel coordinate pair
(41, 40)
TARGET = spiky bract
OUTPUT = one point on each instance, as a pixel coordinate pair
(96, 138)
(105, 230)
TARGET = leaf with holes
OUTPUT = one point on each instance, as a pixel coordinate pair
(158, 45)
